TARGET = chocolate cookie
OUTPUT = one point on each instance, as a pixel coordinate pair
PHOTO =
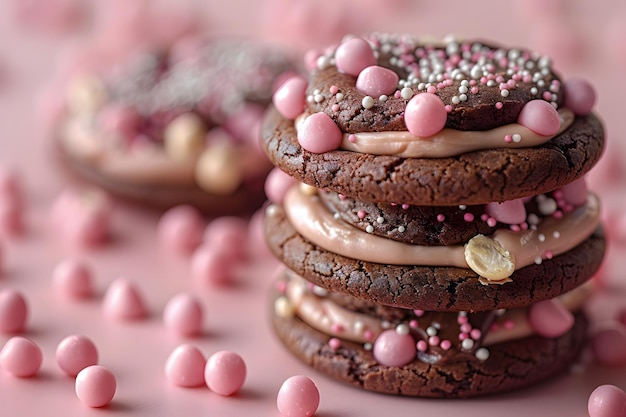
(429, 287)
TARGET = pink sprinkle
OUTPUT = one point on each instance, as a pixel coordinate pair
(335, 107)
(548, 254)
(414, 324)
(397, 94)
(515, 227)
(461, 319)
(341, 196)
(508, 138)
(418, 313)
(334, 89)
(472, 82)
(494, 327)
(445, 344)
(449, 82)
(557, 214)
(422, 346)
(463, 336)
(483, 80)
(546, 95)
(440, 217)
(503, 86)
(405, 207)
(499, 105)
(352, 138)
(524, 226)
(368, 335)
(360, 214)
(499, 79)
(474, 90)
(491, 222)
(183, 315)
(468, 217)
(508, 324)
(466, 327)
(336, 328)
(433, 340)
(281, 286)
(484, 217)
(527, 78)
(334, 343)
(475, 334)
(511, 84)
(448, 108)
(431, 89)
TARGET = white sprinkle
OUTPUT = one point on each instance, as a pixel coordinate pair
(336, 216)
(500, 312)
(547, 206)
(538, 260)
(323, 62)
(358, 326)
(556, 234)
(455, 100)
(383, 98)
(467, 344)
(318, 98)
(339, 97)
(463, 89)
(367, 102)
(534, 91)
(533, 219)
(319, 291)
(462, 207)
(380, 220)
(316, 91)
(491, 83)
(463, 97)
(369, 228)
(517, 138)
(541, 237)
(464, 83)
(462, 313)
(476, 72)
(482, 354)
(431, 331)
(367, 346)
(385, 324)
(504, 93)
(402, 329)
(401, 229)
(406, 93)
(541, 83)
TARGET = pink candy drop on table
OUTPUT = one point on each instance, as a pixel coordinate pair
(225, 372)
(180, 229)
(122, 301)
(13, 311)
(73, 279)
(182, 315)
(298, 397)
(95, 386)
(185, 366)
(75, 353)
(21, 357)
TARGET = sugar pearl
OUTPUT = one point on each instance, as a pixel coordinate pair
(298, 397)
(75, 353)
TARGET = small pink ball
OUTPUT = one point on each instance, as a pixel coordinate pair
(229, 236)
(120, 120)
(211, 266)
(277, 184)
(183, 315)
(509, 212)
(425, 115)
(290, 97)
(21, 357)
(122, 301)
(73, 279)
(540, 117)
(580, 96)
(185, 366)
(608, 344)
(75, 353)
(376, 81)
(95, 386)
(607, 401)
(13, 311)
(394, 349)
(225, 372)
(352, 56)
(550, 318)
(575, 192)
(180, 229)
(298, 397)
(319, 134)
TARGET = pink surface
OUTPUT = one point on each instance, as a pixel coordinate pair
(237, 315)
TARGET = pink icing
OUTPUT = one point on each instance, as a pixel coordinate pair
(376, 81)
(95, 386)
(608, 344)
(580, 96)
(509, 212)
(182, 315)
(75, 353)
(394, 349)
(319, 133)
(210, 266)
(298, 397)
(277, 184)
(289, 99)
(185, 366)
(575, 193)
(550, 318)
(228, 235)
(607, 401)
(21, 357)
(122, 301)
(73, 279)
(13, 311)
(225, 372)
(425, 115)
(540, 117)
(180, 229)
(352, 56)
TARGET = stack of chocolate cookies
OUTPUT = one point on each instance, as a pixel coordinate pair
(439, 237)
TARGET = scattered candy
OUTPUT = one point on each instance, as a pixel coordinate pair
(277, 184)
(376, 81)
(353, 56)
(607, 401)
(540, 117)
(225, 372)
(75, 353)
(122, 301)
(13, 311)
(608, 344)
(394, 349)
(183, 315)
(298, 397)
(425, 115)
(509, 212)
(580, 97)
(95, 386)
(319, 133)
(180, 229)
(185, 366)
(228, 235)
(21, 357)
(550, 318)
(211, 266)
(289, 99)
(73, 279)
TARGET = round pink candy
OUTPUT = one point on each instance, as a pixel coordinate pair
(209, 265)
(183, 315)
(185, 366)
(122, 301)
(75, 353)
(550, 318)
(607, 401)
(73, 279)
(319, 134)
(95, 386)
(376, 81)
(229, 236)
(298, 397)
(13, 311)
(21, 357)
(608, 344)
(354, 55)
(394, 349)
(575, 192)
(290, 97)
(277, 184)
(180, 229)
(225, 372)
(540, 117)
(580, 96)
(509, 212)
(425, 115)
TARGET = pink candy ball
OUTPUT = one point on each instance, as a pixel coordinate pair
(298, 397)
(575, 193)
(13, 311)
(183, 315)
(425, 115)
(180, 229)
(509, 212)
(290, 97)
(580, 96)
(75, 353)
(319, 134)
(122, 301)
(277, 184)
(229, 236)
(607, 401)
(394, 349)
(608, 344)
(550, 318)
(95, 386)
(73, 279)
(185, 366)
(211, 266)
(225, 372)
(122, 121)
(376, 81)
(354, 55)
(540, 117)
(21, 357)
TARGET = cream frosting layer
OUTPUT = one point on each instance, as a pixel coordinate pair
(552, 236)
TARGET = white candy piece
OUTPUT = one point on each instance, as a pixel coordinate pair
(489, 259)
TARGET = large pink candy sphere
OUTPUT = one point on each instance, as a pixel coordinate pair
(607, 401)
(425, 115)
(394, 349)
(376, 81)
(298, 397)
(75, 353)
(354, 55)
(95, 386)
(185, 366)
(290, 97)
(225, 372)
(319, 133)
(550, 318)
(540, 117)
(21, 357)
(509, 212)
(580, 96)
